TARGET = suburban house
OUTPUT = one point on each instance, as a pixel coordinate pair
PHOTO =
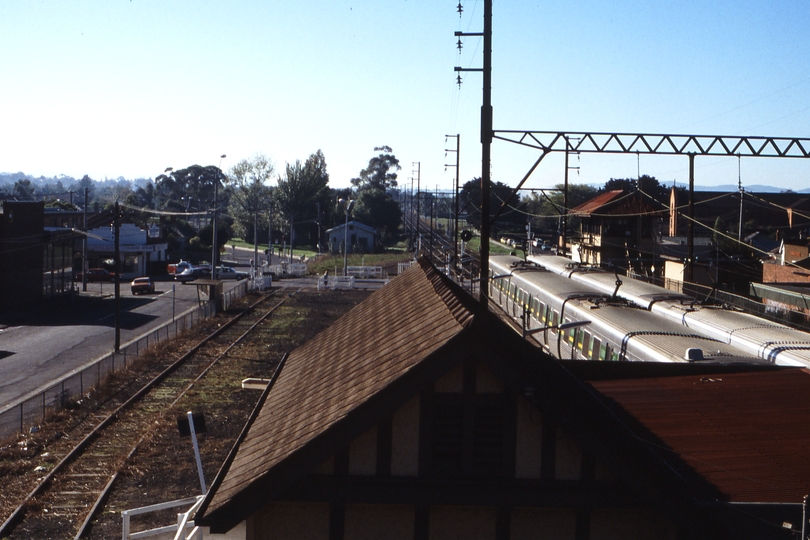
(420, 415)
(616, 230)
(361, 238)
(21, 253)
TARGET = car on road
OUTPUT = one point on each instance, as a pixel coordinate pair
(226, 272)
(192, 273)
(96, 274)
(141, 285)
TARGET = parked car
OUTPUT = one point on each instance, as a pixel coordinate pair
(142, 285)
(192, 273)
(226, 272)
(96, 274)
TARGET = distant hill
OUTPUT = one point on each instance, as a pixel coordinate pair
(754, 188)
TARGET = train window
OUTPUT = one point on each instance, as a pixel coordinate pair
(596, 349)
(586, 345)
(604, 354)
(569, 334)
(580, 338)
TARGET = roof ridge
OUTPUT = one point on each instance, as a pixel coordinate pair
(461, 304)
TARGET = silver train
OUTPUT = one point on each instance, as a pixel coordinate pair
(769, 341)
(541, 301)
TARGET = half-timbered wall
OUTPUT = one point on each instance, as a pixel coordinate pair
(468, 460)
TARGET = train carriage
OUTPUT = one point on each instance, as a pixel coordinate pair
(540, 301)
(772, 342)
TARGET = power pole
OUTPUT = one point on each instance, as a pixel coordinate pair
(564, 225)
(117, 256)
(455, 196)
(418, 201)
(486, 144)
(84, 243)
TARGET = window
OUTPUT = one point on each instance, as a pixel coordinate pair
(596, 349)
(478, 419)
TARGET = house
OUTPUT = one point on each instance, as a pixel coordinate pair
(361, 238)
(136, 247)
(419, 415)
(616, 230)
(21, 253)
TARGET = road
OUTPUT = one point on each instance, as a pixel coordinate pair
(43, 347)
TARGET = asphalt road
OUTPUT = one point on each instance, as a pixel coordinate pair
(40, 346)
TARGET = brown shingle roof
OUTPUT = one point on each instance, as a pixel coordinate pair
(597, 203)
(617, 201)
(747, 434)
(344, 366)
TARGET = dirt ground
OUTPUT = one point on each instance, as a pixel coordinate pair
(163, 468)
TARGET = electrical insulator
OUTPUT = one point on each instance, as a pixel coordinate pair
(460, 9)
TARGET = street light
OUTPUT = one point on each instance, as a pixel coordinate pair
(346, 235)
(214, 222)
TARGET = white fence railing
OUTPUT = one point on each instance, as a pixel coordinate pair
(365, 271)
(349, 282)
(184, 520)
(286, 269)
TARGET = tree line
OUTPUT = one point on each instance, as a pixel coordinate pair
(253, 200)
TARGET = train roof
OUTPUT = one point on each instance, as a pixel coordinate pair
(624, 321)
(640, 292)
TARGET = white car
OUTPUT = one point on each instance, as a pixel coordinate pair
(226, 272)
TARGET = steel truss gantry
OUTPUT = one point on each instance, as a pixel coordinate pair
(653, 143)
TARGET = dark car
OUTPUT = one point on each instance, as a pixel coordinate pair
(141, 285)
(193, 273)
(96, 274)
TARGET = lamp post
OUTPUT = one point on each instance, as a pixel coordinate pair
(214, 221)
(349, 205)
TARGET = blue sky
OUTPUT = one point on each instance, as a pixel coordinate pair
(127, 88)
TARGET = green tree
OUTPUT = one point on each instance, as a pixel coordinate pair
(251, 197)
(179, 189)
(648, 185)
(512, 218)
(376, 208)
(381, 172)
(301, 187)
(24, 189)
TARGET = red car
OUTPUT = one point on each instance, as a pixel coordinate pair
(96, 274)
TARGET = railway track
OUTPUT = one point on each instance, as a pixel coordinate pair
(64, 501)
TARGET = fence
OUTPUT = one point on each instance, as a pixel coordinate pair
(349, 282)
(183, 520)
(34, 408)
(365, 271)
(286, 269)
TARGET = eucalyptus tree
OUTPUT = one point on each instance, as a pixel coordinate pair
(381, 172)
(196, 184)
